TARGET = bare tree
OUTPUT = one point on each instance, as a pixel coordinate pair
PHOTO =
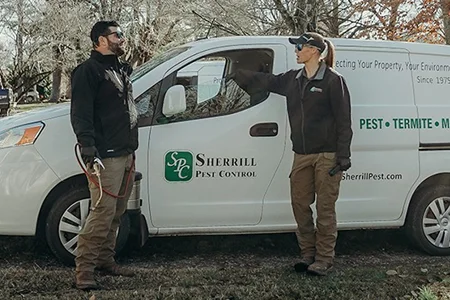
(152, 26)
(52, 36)
(407, 20)
(21, 69)
(445, 6)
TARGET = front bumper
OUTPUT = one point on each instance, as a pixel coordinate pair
(25, 180)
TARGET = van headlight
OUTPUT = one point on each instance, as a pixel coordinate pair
(20, 135)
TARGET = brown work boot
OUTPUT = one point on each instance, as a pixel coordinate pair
(303, 264)
(116, 270)
(86, 281)
(320, 268)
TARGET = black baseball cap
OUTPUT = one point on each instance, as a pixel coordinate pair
(310, 38)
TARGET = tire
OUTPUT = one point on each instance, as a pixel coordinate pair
(76, 201)
(29, 99)
(429, 232)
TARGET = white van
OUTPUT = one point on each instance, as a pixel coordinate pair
(219, 163)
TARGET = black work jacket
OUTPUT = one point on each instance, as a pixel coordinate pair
(318, 108)
(101, 105)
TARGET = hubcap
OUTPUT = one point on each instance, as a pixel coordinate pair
(436, 222)
(71, 223)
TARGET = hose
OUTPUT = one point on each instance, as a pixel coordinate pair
(97, 173)
(96, 167)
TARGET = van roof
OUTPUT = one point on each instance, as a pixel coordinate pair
(412, 47)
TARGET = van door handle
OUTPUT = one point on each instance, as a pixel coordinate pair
(264, 129)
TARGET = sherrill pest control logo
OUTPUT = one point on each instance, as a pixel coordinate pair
(179, 165)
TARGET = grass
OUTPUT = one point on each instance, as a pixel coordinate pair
(234, 267)
(271, 282)
(436, 291)
(427, 294)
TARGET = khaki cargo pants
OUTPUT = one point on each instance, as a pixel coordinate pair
(97, 239)
(311, 182)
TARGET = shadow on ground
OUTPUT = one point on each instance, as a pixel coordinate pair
(350, 243)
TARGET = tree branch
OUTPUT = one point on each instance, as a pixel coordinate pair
(285, 15)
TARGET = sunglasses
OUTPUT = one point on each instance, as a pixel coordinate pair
(119, 34)
(299, 47)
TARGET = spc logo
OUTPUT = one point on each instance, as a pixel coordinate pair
(179, 166)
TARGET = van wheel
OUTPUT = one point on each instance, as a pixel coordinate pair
(65, 220)
(428, 220)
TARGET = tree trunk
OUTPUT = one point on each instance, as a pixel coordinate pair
(56, 84)
(19, 36)
(391, 33)
(445, 4)
(56, 76)
(2, 80)
(304, 18)
(68, 93)
(312, 10)
(79, 56)
(334, 19)
(19, 47)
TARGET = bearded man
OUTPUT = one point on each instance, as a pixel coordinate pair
(104, 120)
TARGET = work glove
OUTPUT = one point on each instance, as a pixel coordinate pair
(88, 154)
(344, 163)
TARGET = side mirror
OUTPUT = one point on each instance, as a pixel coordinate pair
(174, 101)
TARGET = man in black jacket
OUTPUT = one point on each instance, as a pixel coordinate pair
(104, 119)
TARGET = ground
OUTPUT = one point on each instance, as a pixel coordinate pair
(378, 264)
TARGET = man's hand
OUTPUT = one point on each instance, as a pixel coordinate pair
(344, 162)
(88, 154)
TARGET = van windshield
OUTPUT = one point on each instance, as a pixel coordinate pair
(156, 61)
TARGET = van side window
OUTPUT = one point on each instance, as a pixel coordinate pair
(146, 103)
(208, 94)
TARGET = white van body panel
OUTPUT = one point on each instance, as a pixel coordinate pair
(217, 193)
(389, 104)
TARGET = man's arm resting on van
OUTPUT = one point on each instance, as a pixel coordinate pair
(84, 84)
(340, 105)
(265, 81)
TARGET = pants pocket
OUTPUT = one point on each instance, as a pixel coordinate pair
(330, 155)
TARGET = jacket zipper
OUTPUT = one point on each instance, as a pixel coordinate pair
(303, 125)
(303, 116)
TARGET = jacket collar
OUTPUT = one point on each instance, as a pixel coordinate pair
(108, 59)
(319, 74)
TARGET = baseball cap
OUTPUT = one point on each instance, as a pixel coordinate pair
(310, 38)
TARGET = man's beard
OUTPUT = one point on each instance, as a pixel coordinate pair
(116, 48)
